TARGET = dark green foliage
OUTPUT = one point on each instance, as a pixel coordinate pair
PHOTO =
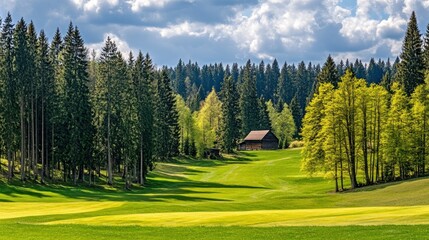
(166, 119)
(230, 125)
(426, 49)
(249, 113)
(46, 86)
(180, 74)
(285, 88)
(9, 103)
(329, 73)
(271, 79)
(264, 119)
(76, 105)
(359, 69)
(297, 114)
(374, 72)
(260, 79)
(143, 79)
(411, 67)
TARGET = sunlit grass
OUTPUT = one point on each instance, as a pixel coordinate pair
(25, 209)
(268, 218)
(262, 190)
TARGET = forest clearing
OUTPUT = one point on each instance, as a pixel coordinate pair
(262, 193)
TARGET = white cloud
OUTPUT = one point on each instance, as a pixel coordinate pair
(286, 25)
(185, 28)
(94, 5)
(136, 5)
(121, 44)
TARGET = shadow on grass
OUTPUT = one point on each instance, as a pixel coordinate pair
(379, 186)
(169, 183)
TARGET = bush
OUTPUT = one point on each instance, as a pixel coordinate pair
(296, 144)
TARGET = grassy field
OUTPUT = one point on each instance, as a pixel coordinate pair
(257, 195)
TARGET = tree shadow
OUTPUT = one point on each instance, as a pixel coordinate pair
(171, 182)
(383, 185)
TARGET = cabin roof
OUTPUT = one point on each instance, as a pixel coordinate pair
(256, 135)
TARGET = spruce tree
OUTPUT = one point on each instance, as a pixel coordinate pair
(54, 112)
(166, 119)
(285, 89)
(426, 49)
(143, 77)
(45, 78)
(249, 113)
(230, 125)
(264, 122)
(411, 68)
(329, 73)
(10, 111)
(77, 119)
(297, 114)
(22, 74)
(33, 95)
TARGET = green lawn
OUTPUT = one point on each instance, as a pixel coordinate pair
(257, 195)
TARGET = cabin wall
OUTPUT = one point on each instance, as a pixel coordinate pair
(270, 144)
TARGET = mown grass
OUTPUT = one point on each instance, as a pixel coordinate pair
(24, 231)
(218, 199)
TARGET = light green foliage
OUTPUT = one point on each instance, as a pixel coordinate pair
(208, 123)
(343, 131)
(398, 133)
(186, 124)
(313, 154)
(282, 124)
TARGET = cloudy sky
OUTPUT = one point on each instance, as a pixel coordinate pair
(227, 31)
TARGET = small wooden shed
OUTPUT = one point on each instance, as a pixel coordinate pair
(259, 140)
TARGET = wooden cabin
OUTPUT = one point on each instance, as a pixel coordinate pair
(259, 140)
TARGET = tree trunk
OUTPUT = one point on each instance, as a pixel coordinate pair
(23, 153)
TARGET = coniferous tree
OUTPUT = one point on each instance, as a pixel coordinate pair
(426, 48)
(179, 82)
(264, 119)
(143, 78)
(22, 74)
(329, 73)
(10, 111)
(230, 124)
(76, 101)
(32, 115)
(107, 105)
(166, 124)
(271, 77)
(249, 113)
(285, 90)
(260, 79)
(411, 67)
(297, 114)
(374, 73)
(359, 69)
(45, 78)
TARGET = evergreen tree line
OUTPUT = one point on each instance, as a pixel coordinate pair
(289, 83)
(360, 132)
(66, 116)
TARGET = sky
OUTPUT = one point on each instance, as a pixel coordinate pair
(228, 31)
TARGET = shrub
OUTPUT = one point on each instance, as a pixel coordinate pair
(296, 144)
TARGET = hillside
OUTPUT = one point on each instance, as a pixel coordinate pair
(257, 189)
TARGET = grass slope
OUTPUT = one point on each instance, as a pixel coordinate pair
(256, 193)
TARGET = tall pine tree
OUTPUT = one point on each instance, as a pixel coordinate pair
(411, 68)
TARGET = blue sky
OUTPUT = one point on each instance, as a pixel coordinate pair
(228, 31)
